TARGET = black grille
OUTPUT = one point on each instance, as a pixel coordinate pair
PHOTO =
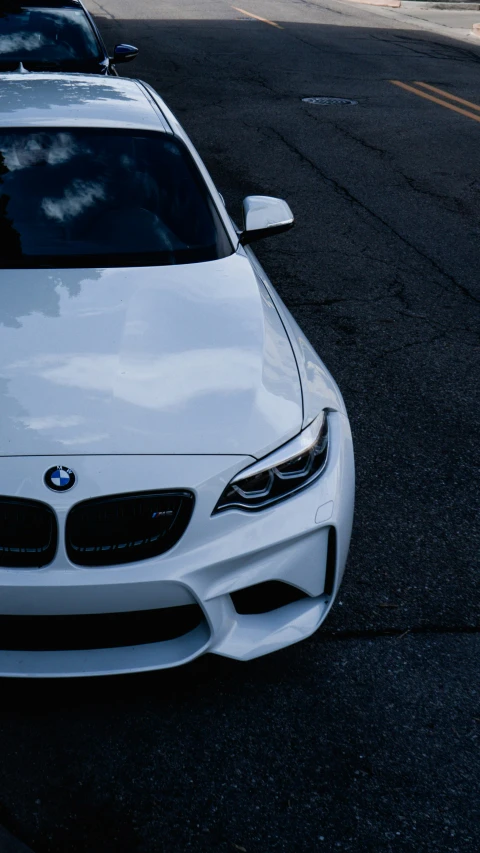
(98, 631)
(124, 528)
(28, 534)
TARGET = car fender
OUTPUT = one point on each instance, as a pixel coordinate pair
(319, 389)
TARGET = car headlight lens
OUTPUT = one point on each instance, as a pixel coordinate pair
(284, 472)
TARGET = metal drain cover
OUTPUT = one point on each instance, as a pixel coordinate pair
(326, 102)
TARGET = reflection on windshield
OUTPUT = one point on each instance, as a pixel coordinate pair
(77, 198)
(103, 198)
(21, 42)
(46, 35)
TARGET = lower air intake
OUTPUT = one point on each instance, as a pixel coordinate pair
(98, 631)
(126, 528)
(28, 534)
(264, 597)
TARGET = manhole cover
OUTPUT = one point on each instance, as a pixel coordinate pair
(326, 102)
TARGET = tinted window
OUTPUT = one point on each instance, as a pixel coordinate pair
(53, 36)
(103, 198)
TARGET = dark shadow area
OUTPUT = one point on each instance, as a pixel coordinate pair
(8, 234)
(356, 745)
(348, 741)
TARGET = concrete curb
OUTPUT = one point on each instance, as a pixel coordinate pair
(392, 3)
(9, 844)
(448, 6)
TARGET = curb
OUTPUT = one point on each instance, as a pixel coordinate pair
(9, 844)
(450, 6)
(446, 6)
(392, 3)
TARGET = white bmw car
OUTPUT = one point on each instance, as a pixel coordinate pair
(176, 462)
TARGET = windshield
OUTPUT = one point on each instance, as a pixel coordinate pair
(46, 36)
(99, 198)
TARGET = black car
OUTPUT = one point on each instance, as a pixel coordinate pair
(55, 35)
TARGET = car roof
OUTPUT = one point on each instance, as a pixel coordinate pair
(49, 4)
(83, 100)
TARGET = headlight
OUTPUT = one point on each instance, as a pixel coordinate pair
(286, 471)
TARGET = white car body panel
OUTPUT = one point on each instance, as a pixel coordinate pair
(175, 359)
(147, 379)
(76, 100)
(319, 389)
(217, 555)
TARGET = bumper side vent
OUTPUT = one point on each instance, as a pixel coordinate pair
(264, 597)
(98, 631)
(125, 528)
(331, 562)
(28, 534)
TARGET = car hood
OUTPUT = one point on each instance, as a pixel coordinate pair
(188, 359)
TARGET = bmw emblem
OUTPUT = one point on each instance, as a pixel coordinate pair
(59, 478)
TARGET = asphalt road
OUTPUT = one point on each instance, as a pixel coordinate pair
(365, 737)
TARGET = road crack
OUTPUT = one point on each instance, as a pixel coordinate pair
(451, 204)
(344, 192)
(105, 11)
(354, 138)
(444, 52)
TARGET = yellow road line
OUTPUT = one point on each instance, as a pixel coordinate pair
(258, 18)
(435, 100)
(448, 95)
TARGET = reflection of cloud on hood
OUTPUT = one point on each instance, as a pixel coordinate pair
(22, 41)
(169, 383)
(87, 438)
(155, 383)
(21, 152)
(77, 198)
(51, 422)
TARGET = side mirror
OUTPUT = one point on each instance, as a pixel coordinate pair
(264, 216)
(124, 53)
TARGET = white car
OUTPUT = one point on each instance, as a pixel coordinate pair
(176, 462)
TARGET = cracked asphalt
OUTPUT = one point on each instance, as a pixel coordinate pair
(365, 737)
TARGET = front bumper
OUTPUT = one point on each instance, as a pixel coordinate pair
(216, 556)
